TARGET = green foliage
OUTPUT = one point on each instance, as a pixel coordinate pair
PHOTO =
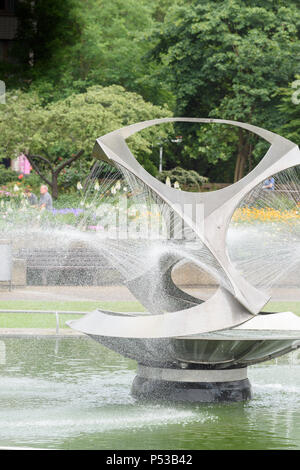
(187, 179)
(62, 128)
(68, 199)
(67, 125)
(74, 45)
(290, 108)
(226, 60)
(33, 181)
(12, 188)
(229, 59)
(46, 28)
(7, 175)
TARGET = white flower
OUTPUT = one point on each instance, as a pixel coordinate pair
(97, 186)
(118, 184)
(82, 203)
(79, 186)
(168, 181)
(124, 189)
(16, 188)
(176, 185)
(113, 190)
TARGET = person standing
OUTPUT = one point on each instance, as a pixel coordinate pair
(45, 201)
(269, 184)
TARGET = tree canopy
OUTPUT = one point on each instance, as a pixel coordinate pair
(231, 59)
(52, 136)
(226, 59)
(290, 108)
(69, 46)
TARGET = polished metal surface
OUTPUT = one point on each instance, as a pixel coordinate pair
(191, 375)
(222, 310)
(225, 331)
(218, 205)
(262, 338)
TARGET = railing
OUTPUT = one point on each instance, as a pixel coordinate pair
(53, 312)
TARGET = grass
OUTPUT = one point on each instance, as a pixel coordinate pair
(35, 320)
(27, 320)
(283, 307)
(44, 320)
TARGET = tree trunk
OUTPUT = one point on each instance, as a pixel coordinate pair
(54, 186)
(55, 171)
(242, 156)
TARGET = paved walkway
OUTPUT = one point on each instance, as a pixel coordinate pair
(68, 293)
(22, 332)
(113, 293)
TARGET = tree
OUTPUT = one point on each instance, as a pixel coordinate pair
(113, 46)
(290, 108)
(63, 133)
(226, 59)
(46, 29)
(66, 47)
(54, 168)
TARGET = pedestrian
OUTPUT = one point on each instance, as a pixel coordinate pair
(31, 197)
(45, 198)
(269, 184)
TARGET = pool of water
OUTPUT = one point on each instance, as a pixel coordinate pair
(75, 394)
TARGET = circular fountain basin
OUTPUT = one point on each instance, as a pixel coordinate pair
(207, 367)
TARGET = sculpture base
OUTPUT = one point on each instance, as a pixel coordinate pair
(191, 385)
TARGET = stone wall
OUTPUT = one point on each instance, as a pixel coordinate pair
(19, 277)
(184, 274)
(190, 275)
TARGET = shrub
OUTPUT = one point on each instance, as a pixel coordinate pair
(7, 175)
(187, 179)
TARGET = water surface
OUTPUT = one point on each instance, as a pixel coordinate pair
(75, 394)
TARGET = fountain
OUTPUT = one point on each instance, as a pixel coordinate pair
(188, 349)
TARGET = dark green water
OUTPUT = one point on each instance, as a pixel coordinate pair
(75, 394)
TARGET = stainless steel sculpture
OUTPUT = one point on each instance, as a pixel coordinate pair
(188, 349)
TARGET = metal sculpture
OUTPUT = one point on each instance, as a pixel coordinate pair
(196, 351)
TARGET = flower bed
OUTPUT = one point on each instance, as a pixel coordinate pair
(267, 214)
